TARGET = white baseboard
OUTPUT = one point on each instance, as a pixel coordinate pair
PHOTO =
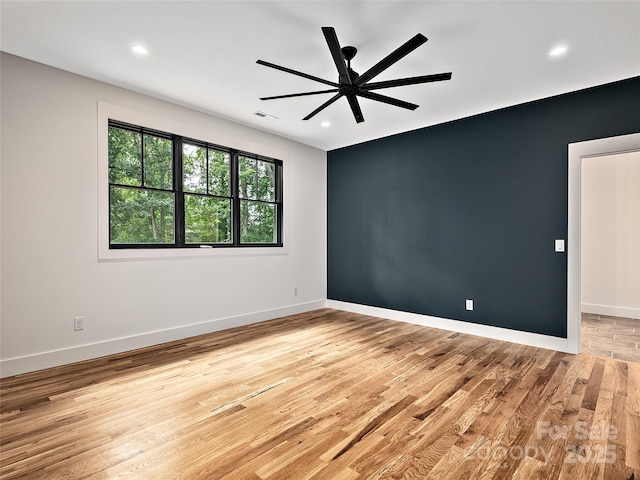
(611, 310)
(496, 333)
(40, 361)
(54, 358)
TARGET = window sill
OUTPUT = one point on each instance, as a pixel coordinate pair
(107, 254)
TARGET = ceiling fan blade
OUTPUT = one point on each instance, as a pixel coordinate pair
(334, 47)
(355, 107)
(384, 99)
(303, 94)
(295, 72)
(390, 59)
(407, 81)
(323, 106)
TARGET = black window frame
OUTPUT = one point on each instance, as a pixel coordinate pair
(179, 194)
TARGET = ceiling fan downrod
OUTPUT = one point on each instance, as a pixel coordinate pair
(348, 53)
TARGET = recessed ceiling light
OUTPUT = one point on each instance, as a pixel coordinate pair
(139, 49)
(558, 51)
(325, 124)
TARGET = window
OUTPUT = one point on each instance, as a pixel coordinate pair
(169, 191)
(258, 206)
(206, 181)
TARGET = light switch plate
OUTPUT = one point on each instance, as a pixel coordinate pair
(560, 245)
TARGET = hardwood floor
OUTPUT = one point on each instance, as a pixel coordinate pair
(326, 395)
(613, 337)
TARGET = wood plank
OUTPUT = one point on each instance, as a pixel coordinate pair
(324, 395)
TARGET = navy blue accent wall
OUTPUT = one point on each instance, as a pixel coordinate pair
(421, 221)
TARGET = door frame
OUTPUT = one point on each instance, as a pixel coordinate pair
(576, 152)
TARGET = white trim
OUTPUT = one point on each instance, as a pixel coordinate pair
(487, 331)
(63, 356)
(611, 310)
(108, 111)
(576, 152)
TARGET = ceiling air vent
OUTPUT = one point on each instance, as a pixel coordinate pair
(266, 116)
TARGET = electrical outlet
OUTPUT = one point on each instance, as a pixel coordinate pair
(78, 323)
(295, 290)
(469, 304)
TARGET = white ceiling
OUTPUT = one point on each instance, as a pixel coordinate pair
(202, 54)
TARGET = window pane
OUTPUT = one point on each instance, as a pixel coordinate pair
(194, 165)
(247, 177)
(257, 179)
(141, 216)
(266, 180)
(207, 219)
(158, 162)
(219, 168)
(257, 222)
(125, 163)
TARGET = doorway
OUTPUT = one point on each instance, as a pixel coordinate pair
(577, 153)
(610, 255)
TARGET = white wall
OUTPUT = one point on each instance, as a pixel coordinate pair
(611, 234)
(49, 212)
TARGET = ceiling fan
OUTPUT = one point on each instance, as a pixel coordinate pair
(353, 85)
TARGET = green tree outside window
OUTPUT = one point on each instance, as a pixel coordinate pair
(206, 207)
